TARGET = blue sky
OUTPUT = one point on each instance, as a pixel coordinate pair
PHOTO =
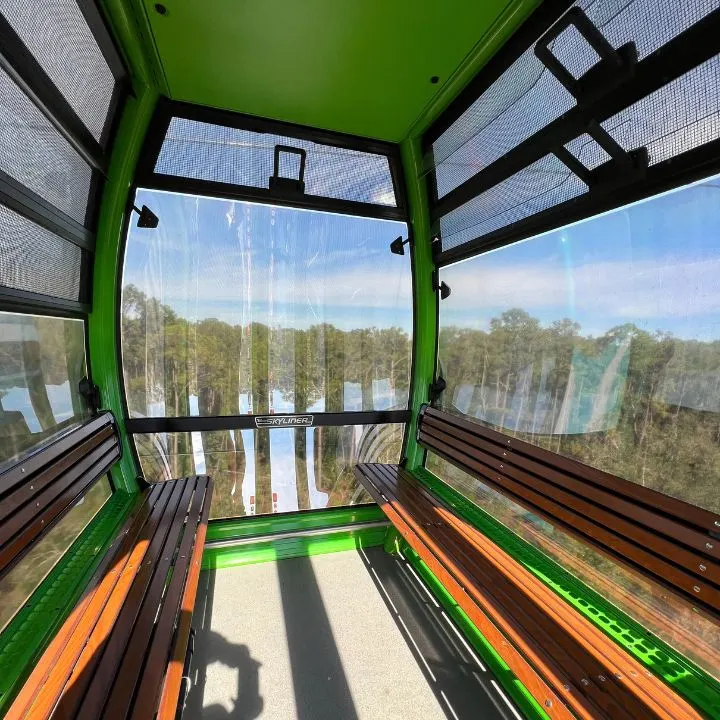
(655, 263)
(240, 262)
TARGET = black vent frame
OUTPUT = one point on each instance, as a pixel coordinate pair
(90, 148)
(627, 177)
(169, 110)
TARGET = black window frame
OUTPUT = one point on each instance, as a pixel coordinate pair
(168, 109)
(686, 51)
(23, 68)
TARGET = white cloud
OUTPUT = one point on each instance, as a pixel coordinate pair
(632, 290)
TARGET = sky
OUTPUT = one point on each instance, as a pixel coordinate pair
(655, 263)
(241, 262)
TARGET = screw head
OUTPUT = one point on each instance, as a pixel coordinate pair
(709, 546)
(702, 567)
(548, 703)
(696, 588)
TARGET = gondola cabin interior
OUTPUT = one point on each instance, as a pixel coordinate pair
(360, 361)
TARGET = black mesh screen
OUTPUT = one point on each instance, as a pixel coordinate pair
(527, 97)
(537, 187)
(34, 153)
(61, 41)
(36, 260)
(205, 151)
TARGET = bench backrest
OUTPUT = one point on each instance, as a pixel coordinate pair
(36, 492)
(672, 541)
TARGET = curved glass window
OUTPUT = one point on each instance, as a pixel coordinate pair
(600, 341)
(234, 308)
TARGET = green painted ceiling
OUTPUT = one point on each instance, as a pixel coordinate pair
(357, 66)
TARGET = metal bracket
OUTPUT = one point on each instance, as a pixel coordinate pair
(91, 393)
(287, 185)
(443, 287)
(436, 389)
(612, 69)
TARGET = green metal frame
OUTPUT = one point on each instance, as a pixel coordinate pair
(259, 525)
(270, 550)
(659, 658)
(425, 299)
(24, 640)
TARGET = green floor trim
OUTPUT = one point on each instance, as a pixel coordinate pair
(301, 546)
(525, 702)
(24, 640)
(235, 528)
(686, 678)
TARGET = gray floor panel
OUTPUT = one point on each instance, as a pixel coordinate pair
(344, 636)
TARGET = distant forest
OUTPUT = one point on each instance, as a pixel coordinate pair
(645, 406)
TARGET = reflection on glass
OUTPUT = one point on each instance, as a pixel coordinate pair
(600, 341)
(17, 586)
(234, 308)
(663, 614)
(42, 360)
(257, 472)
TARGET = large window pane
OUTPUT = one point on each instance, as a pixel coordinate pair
(266, 471)
(17, 586)
(234, 308)
(42, 360)
(666, 616)
(600, 341)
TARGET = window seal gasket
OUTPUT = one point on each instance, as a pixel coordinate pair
(167, 109)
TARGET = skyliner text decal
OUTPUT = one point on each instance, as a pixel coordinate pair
(272, 421)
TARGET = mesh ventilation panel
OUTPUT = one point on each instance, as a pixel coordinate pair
(537, 187)
(204, 151)
(527, 97)
(36, 260)
(35, 154)
(61, 41)
(678, 117)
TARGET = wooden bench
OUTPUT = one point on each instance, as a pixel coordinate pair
(121, 651)
(568, 664)
(671, 541)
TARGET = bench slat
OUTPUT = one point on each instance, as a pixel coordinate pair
(571, 653)
(70, 638)
(141, 603)
(173, 677)
(148, 693)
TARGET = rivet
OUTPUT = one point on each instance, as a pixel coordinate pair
(618, 675)
(696, 588)
(584, 681)
(504, 454)
(31, 487)
(548, 703)
(702, 567)
(717, 523)
(37, 504)
(501, 466)
(602, 678)
(709, 546)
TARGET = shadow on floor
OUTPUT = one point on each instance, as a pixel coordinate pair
(461, 682)
(212, 648)
(319, 682)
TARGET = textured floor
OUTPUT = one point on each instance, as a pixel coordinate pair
(345, 636)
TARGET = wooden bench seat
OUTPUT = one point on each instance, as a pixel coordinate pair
(121, 651)
(569, 666)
